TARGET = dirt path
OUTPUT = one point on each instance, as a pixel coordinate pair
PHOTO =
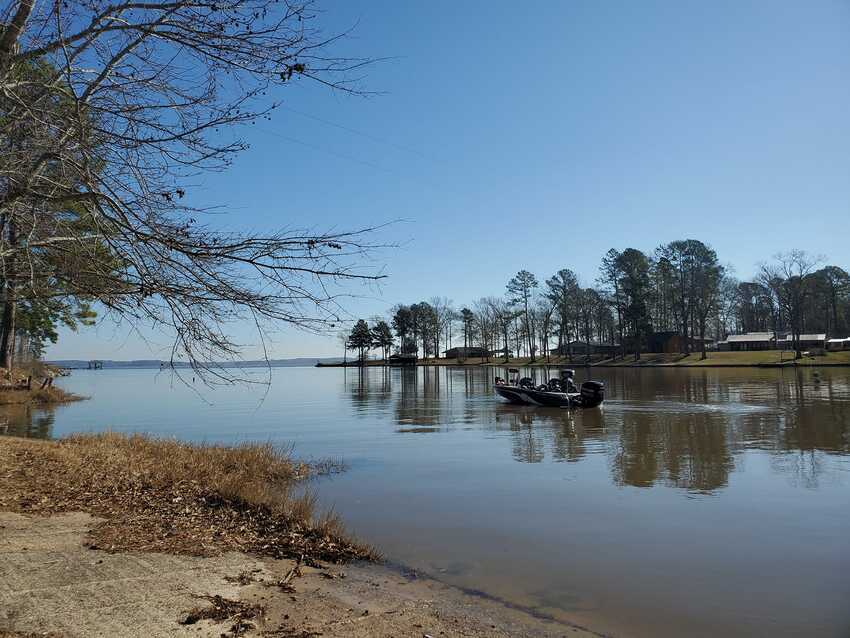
(50, 583)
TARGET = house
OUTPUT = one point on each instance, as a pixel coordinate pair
(806, 341)
(671, 341)
(749, 341)
(465, 353)
(664, 341)
(838, 344)
(403, 360)
(584, 348)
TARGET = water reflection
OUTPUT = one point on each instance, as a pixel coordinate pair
(686, 429)
(27, 421)
(677, 428)
(726, 480)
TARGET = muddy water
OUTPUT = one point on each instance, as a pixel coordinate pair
(695, 502)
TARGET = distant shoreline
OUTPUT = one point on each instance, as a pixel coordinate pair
(155, 364)
(754, 359)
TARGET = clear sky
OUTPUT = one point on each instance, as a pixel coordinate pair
(538, 135)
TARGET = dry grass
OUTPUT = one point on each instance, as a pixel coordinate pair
(14, 391)
(164, 495)
(37, 396)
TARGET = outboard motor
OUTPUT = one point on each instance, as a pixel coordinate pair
(592, 393)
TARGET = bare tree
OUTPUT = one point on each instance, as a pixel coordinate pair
(705, 288)
(788, 277)
(542, 311)
(107, 111)
(482, 325)
(727, 303)
(444, 315)
(504, 315)
(342, 338)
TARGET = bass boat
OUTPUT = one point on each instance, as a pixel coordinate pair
(555, 394)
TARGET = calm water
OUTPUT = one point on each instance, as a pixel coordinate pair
(696, 502)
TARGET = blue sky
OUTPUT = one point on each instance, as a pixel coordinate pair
(538, 135)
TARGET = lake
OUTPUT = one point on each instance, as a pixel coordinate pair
(697, 502)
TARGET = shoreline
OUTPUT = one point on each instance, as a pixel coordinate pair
(138, 555)
(754, 359)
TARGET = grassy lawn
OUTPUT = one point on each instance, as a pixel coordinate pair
(755, 358)
(767, 357)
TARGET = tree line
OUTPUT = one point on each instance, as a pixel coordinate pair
(679, 288)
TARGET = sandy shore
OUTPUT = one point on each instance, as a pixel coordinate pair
(113, 536)
(52, 584)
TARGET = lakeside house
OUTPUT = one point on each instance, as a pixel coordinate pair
(670, 341)
(402, 359)
(749, 341)
(473, 351)
(584, 348)
(838, 344)
(772, 341)
(465, 353)
(807, 341)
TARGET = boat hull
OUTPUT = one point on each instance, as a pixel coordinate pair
(521, 395)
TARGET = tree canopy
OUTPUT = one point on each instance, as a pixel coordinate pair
(107, 112)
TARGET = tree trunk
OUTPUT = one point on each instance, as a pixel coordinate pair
(637, 343)
(834, 300)
(7, 326)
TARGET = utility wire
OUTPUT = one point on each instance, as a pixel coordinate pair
(368, 136)
(319, 149)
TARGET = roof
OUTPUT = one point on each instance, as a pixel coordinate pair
(588, 343)
(841, 340)
(750, 336)
(811, 337)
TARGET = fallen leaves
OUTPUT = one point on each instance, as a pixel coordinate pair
(221, 609)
